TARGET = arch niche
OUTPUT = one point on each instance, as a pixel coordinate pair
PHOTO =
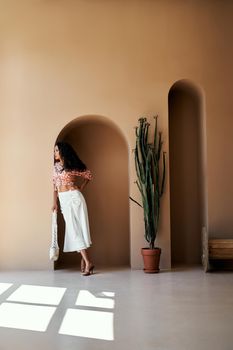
(187, 149)
(103, 148)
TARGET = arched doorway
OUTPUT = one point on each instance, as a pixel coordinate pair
(102, 146)
(187, 147)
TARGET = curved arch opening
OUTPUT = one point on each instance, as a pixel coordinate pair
(103, 148)
(187, 150)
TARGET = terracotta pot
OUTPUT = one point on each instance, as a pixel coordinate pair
(151, 258)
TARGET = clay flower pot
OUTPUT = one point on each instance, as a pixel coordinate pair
(151, 258)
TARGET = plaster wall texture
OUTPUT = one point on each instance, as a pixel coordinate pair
(61, 60)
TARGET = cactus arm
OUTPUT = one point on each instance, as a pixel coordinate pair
(163, 178)
(155, 131)
(138, 166)
(159, 146)
(140, 141)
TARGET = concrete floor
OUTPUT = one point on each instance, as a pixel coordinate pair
(183, 309)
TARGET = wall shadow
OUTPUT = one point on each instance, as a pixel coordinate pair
(187, 153)
(103, 148)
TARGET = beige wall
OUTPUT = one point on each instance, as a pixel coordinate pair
(63, 59)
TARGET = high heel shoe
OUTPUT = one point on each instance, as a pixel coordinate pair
(82, 265)
(89, 271)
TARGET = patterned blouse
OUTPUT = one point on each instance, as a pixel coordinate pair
(63, 177)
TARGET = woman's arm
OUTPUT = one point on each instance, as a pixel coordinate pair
(86, 175)
(84, 183)
(55, 196)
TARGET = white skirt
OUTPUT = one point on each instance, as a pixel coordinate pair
(74, 210)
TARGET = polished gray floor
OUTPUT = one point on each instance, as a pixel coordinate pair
(182, 309)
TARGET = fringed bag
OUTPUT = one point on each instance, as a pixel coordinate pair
(54, 248)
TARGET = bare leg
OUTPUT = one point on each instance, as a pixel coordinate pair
(89, 266)
(82, 264)
(85, 257)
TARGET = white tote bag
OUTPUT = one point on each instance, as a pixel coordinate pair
(54, 249)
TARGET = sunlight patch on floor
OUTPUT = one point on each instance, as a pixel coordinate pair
(86, 298)
(31, 307)
(28, 317)
(37, 295)
(88, 324)
(108, 294)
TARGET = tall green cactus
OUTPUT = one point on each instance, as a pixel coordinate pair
(150, 184)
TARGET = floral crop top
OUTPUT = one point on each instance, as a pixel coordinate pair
(63, 177)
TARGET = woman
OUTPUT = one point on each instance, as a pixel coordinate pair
(68, 168)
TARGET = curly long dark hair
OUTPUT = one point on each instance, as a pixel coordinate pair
(70, 158)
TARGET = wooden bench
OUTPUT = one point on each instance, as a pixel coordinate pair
(215, 249)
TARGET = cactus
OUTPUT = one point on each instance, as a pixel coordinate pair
(149, 180)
